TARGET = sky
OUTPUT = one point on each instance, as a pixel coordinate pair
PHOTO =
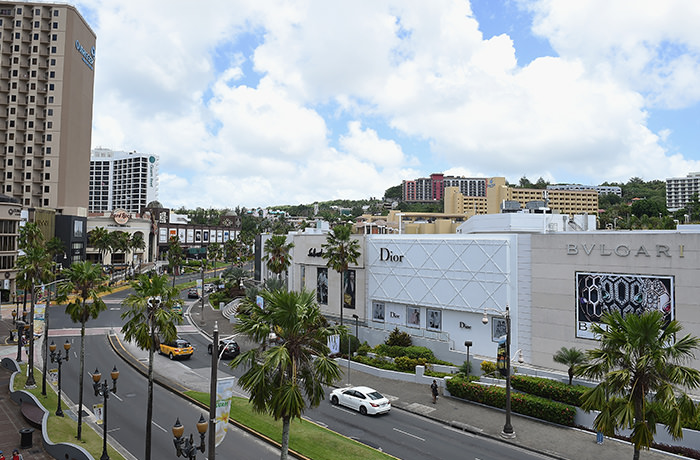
(263, 103)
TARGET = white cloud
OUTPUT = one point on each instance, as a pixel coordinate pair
(255, 103)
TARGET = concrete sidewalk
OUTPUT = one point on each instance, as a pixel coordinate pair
(553, 440)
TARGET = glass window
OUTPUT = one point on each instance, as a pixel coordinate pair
(55, 25)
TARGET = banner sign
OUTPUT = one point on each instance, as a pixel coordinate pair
(224, 393)
(600, 293)
(334, 344)
(501, 360)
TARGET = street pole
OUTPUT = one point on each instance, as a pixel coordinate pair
(468, 343)
(508, 428)
(212, 389)
(204, 261)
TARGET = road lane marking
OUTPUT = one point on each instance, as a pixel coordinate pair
(343, 409)
(158, 426)
(409, 434)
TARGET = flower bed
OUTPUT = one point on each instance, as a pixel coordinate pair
(547, 388)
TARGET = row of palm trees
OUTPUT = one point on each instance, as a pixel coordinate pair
(107, 242)
(340, 250)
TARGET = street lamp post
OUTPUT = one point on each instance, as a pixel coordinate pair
(204, 261)
(212, 391)
(468, 344)
(185, 447)
(508, 427)
(57, 358)
(357, 326)
(20, 335)
(102, 389)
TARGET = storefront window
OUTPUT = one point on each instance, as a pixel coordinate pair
(413, 316)
(378, 311)
(434, 320)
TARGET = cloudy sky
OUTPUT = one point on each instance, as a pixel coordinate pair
(260, 103)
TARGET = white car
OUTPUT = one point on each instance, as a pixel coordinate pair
(363, 399)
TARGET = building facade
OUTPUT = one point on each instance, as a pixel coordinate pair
(601, 189)
(47, 59)
(679, 190)
(10, 216)
(122, 180)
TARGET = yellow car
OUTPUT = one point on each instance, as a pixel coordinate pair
(178, 348)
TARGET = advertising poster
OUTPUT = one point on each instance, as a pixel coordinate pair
(226, 235)
(224, 393)
(601, 293)
(378, 311)
(499, 329)
(190, 235)
(219, 236)
(334, 343)
(349, 296)
(413, 316)
(98, 410)
(198, 236)
(322, 286)
(163, 235)
(181, 234)
(501, 363)
(205, 234)
(434, 320)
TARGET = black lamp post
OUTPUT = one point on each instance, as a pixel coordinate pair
(57, 358)
(185, 447)
(102, 389)
(20, 334)
(468, 344)
(507, 428)
(357, 326)
(14, 316)
(204, 261)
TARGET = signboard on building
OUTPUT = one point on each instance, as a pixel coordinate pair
(601, 293)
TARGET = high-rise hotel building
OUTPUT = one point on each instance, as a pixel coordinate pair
(122, 180)
(47, 61)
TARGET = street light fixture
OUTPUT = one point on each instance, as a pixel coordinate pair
(468, 343)
(57, 358)
(102, 389)
(20, 335)
(357, 326)
(185, 447)
(508, 427)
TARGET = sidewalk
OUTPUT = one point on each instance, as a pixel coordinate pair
(553, 440)
(11, 420)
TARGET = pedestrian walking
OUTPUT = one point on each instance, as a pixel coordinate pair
(2, 456)
(16, 455)
(434, 390)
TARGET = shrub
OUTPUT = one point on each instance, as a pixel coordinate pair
(534, 406)
(399, 338)
(354, 344)
(363, 349)
(465, 368)
(406, 364)
(488, 368)
(550, 389)
(376, 362)
(414, 352)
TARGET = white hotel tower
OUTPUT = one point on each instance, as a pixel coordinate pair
(122, 180)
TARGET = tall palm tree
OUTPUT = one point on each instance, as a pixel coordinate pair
(570, 357)
(150, 319)
(174, 255)
(640, 365)
(87, 282)
(214, 251)
(35, 266)
(54, 247)
(285, 380)
(101, 239)
(341, 250)
(137, 243)
(277, 254)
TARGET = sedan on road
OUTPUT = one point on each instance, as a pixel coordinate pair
(192, 293)
(363, 399)
(229, 348)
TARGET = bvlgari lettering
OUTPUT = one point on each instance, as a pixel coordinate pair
(621, 250)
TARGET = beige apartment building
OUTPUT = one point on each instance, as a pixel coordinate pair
(47, 60)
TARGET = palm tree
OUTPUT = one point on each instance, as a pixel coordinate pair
(639, 362)
(285, 380)
(277, 254)
(35, 267)
(101, 239)
(214, 251)
(174, 255)
(150, 318)
(570, 357)
(87, 281)
(136, 242)
(341, 250)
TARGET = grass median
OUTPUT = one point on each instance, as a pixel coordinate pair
(306, 438)
(64, 429)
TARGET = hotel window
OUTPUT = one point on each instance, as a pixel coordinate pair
(52, 74)
(46, 189)
(8, 175)
(53, 61)
(50, 89)
(27, 188)
(49, 137)
(48, 150)
(47, 163)
(49, 112)
(8, 188)
(55, 12)
(28, 162)
(54, 37)
(53, 50)
(55, 25)
(28, 175)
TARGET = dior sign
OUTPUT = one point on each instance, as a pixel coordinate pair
(389, 256)
(623, 250)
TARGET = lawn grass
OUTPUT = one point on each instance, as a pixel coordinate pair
(306, 438)
(64, 429)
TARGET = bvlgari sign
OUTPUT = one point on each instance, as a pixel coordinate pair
(623, 250)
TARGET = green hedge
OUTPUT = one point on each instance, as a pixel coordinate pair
(413, 352)
(550, 389)
(534, 406)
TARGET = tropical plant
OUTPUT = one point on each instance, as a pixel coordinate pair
(399, 338)
(285, 380)
(640, 365)
(174, 255)
(214, 252)
(570, 357)
(87, 282)
(341, 250)
(35, 267)
(150, 318)
(277, 254)
(101, 239)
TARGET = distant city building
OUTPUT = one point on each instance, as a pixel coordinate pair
(601, 189)
(122, 180)
(679, 190)
(46, 89)
(426, 189)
